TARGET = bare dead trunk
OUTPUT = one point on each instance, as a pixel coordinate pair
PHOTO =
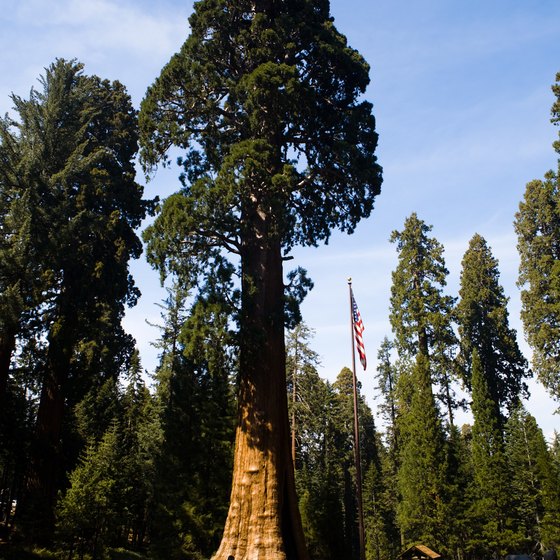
(263, 522)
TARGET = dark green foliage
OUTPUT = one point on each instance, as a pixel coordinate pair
(322, 454)
(416, 291)
(77, 137)
(88, 512)
(422, 511)
(319, 474)
(555, 450)
(196, 406)
(325, 474)
(484, 325)
(250, 90)
(534, 484)
(267, 134)
(378, 524)
(71, 208)
(264, 100)
(537, 225)
(305, 390)
(141, 438)
(111, 491)
(98, 409)
(387, 375)
(460, 526)
(421, 313)
(493, 504)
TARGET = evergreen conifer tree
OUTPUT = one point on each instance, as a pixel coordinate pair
(461, 539)
(344, 413)
(491, 517)
(319, 474)
(78, 135)
(422, 512)
(371, 459)
(534, 483)
(16, 258)
(387, 374)
(140, 440)
(421, 313)
(111, 492)
(555, 450)
(87, 513)
(483, 325)
(195, 400)
(537, 224)
(321, 487)
(301, 362)
(264, 99)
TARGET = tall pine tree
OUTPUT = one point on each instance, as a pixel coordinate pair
(421, 313)
(534, 483)
(484, 325)
(422, 513)
(195, 399)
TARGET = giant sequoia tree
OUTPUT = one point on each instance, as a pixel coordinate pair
(72, 171)
(264, 100)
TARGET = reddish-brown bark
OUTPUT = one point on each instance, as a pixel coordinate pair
(263, 522)
(36, 512)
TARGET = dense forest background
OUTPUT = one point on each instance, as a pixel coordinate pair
(91, 458)
(100, 457)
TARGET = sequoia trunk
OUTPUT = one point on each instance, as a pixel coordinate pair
(36, 513)
(263, 522)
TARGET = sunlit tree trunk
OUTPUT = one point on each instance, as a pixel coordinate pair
(263, 522)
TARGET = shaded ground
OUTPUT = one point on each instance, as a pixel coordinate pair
(13, 552)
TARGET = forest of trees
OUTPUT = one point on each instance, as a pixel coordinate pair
(101, 459)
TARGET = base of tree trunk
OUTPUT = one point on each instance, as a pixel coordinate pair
(263, 522)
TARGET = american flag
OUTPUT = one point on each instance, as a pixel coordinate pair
(358, 330)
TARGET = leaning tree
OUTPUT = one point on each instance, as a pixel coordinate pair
(264, 102)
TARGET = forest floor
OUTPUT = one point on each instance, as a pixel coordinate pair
(10, 551)
(13, 552)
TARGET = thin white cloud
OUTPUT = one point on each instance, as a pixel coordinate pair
(113, 38)
(104, 25)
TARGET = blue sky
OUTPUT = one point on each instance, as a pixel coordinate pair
(461, 93)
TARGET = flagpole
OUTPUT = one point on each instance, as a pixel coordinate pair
(357, 456)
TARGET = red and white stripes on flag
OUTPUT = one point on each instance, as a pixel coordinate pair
(358, 330)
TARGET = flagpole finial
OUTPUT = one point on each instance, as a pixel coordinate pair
(349, 280)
